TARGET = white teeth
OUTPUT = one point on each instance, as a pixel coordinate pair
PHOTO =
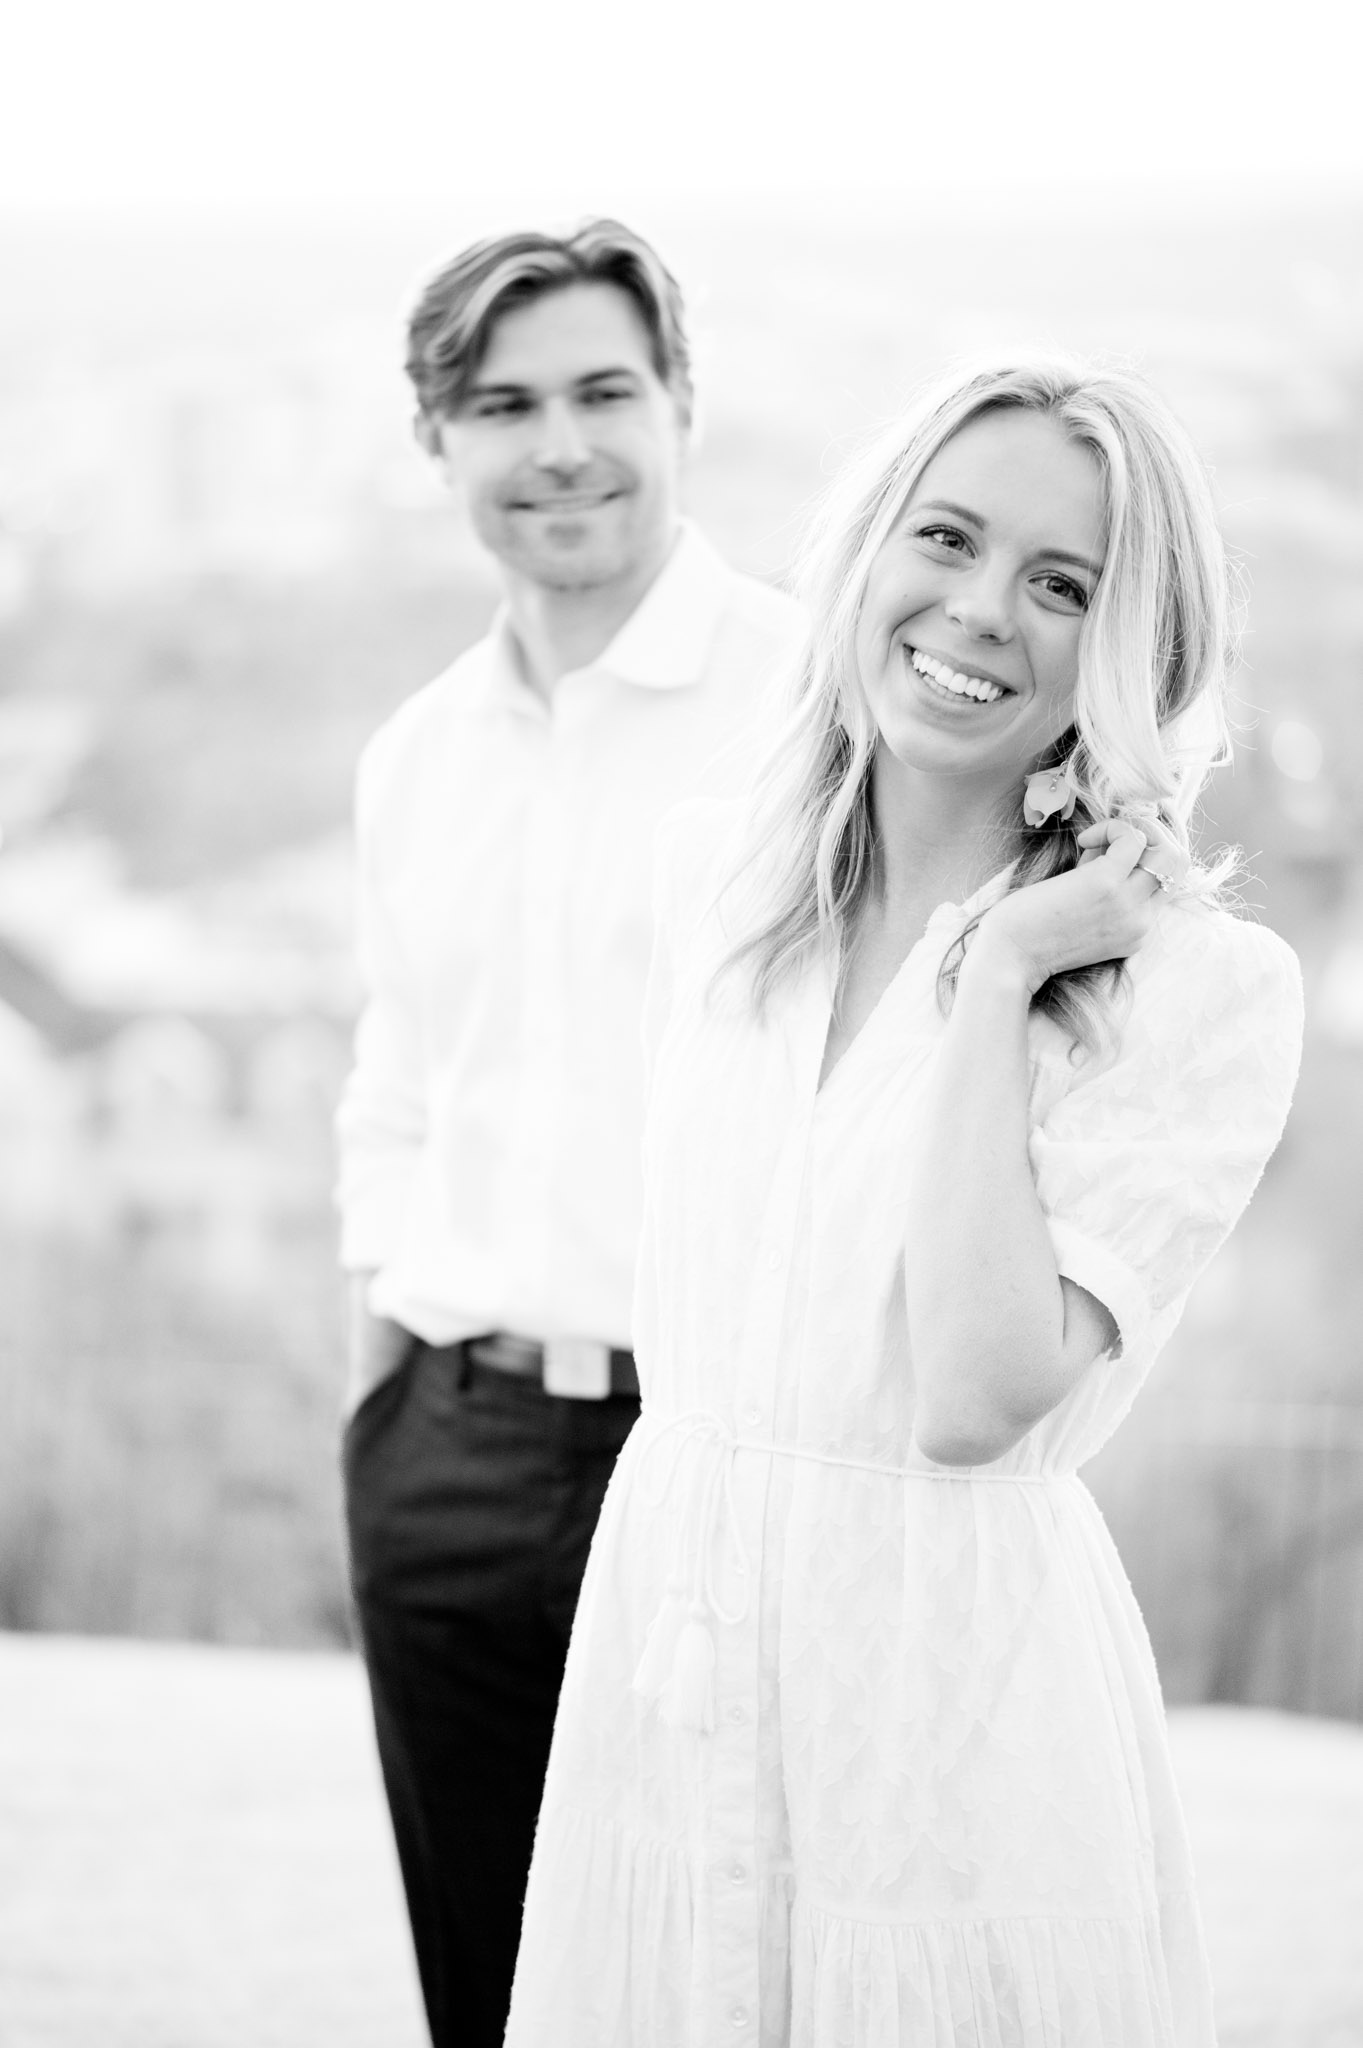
(951, 679)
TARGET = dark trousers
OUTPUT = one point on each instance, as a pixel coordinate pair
(471, 1497)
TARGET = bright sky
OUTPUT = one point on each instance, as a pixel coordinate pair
(190, 103)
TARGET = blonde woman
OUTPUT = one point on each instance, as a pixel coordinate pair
(962, 1074)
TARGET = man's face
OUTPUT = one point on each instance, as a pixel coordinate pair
(568, 445)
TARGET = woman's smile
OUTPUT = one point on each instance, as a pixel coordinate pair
(954, 684)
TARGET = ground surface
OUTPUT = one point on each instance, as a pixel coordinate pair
(193, 1854)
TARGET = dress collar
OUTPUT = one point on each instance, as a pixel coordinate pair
(984, 898)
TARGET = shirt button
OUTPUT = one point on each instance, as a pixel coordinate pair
(737, 1873)
(738, 2015)
(752, 1416)
(737, 1715)
(774, 1262)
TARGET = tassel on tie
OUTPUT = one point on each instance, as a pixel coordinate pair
(688, 1699)
(655, 1664)
(677, 1666)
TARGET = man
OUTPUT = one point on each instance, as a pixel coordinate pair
(490, 1130)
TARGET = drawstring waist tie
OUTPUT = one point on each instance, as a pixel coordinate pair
(676, 1670)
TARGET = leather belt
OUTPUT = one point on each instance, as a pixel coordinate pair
(575, 1368)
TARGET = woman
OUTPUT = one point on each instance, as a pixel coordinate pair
(960, 1080)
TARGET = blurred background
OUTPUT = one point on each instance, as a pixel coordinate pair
(222, 562)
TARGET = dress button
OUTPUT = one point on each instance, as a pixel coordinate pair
(752, 1416)
(738, 2015)
(737, 1715)
(737, 1873)
(774, 1262)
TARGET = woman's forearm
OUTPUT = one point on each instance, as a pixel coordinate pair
(997, 1338)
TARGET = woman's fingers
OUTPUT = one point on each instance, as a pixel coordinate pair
(1165, 859)
(1157, 854)
(1108, 829)
(1098, 841)
(1125, 846)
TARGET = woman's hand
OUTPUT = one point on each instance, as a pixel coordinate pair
(1163, 857)
(1103, 909)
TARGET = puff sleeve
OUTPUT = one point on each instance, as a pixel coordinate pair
(1144, 1164)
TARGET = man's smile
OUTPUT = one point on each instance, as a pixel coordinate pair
(566, 501)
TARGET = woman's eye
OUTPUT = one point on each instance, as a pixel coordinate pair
(949, 537)
(1066, 590)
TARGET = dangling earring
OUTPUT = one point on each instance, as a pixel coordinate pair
(1050, 793)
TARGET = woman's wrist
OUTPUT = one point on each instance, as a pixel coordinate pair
(993, 963)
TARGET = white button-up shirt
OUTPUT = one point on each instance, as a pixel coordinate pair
(490, 1130)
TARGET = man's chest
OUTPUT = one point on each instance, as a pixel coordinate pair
(529, 851)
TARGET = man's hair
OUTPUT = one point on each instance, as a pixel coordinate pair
(452, 322)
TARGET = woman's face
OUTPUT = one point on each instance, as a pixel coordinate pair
(968, 640)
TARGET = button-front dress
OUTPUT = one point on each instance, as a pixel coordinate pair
(854, 1748)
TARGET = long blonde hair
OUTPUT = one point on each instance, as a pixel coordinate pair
(1149, 714)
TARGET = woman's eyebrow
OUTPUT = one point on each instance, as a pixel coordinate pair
(1094, 569)
(956, 511)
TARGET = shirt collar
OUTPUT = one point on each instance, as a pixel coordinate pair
(664, 642)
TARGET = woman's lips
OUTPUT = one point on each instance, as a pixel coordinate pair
(954, 684)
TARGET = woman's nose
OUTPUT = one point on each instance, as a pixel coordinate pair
(981, 605)
(561, 444)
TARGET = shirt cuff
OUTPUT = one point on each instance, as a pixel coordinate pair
(1110, 1280)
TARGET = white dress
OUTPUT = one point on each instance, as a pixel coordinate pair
(853, 1748)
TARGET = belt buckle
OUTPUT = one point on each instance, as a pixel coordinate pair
(579, 1368)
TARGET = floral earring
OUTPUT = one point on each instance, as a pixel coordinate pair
(1050, 793)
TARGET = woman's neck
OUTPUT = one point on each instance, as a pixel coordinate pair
(938, 839)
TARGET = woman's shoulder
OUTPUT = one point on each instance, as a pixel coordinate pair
(1210, 1026)
(1211, 985)
(1209, 947)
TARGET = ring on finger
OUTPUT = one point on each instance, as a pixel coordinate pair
(1164, 882)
